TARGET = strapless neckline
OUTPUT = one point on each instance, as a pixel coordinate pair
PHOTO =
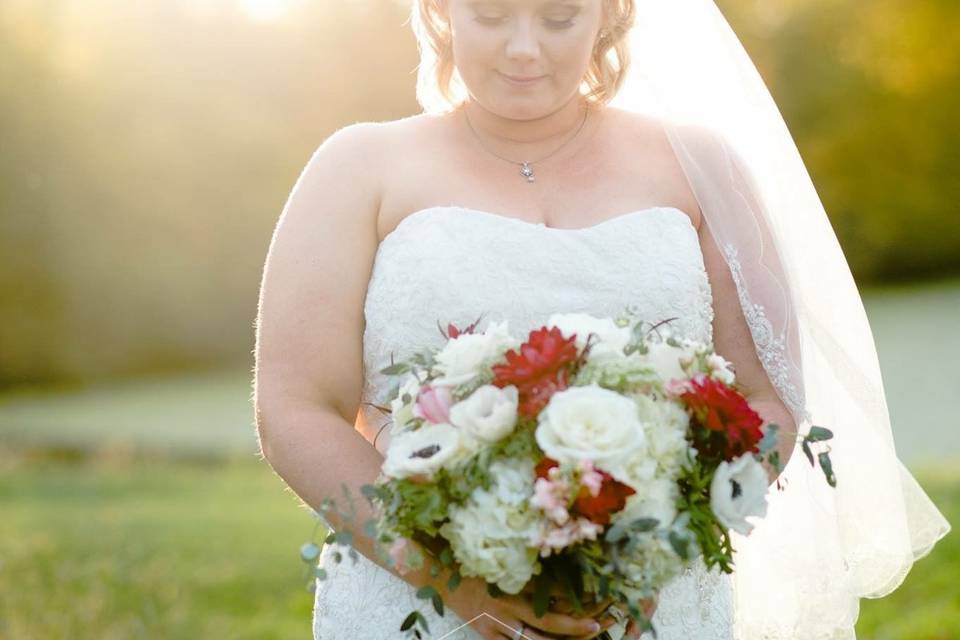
(421, 215)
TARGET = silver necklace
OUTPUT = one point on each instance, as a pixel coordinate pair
(526, 166)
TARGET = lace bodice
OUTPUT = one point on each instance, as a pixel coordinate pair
(448, 264)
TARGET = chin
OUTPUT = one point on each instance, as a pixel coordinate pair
(523, 107)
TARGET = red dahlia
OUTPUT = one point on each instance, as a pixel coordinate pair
(611, 498)
(721, 409)
(541, 368)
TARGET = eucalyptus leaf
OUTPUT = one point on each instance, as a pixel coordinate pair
(423, 622)
(395, 369)
(827, 467)
(680, 544)
(426, 592)
(320, 573)
(805, 445)
(819, 434)
(409, 620)
(644, 524)
(770, 437)
(454, 581)
(309, 552)
(437, 604)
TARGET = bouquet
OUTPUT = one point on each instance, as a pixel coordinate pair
(600, 454)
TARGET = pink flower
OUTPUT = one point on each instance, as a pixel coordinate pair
(553, 538)
(398, 552)
(433, 404)
(552, 496)
(590, 477)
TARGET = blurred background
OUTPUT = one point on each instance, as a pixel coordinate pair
(146, 151)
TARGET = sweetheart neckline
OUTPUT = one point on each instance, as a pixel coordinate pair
(419, 213)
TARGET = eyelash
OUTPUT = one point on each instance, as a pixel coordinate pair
(551, 24)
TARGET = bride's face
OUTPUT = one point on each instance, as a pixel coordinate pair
(523, 58)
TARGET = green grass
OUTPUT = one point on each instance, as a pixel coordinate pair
(927, 605)
(140, 549)
(136, 548)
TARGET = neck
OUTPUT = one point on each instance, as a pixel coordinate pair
(525, 135)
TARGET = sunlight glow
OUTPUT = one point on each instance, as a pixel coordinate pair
(268, 10)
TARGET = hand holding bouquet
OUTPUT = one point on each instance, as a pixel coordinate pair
(598, 456)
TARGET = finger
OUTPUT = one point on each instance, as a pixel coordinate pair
(528, 633)
(632, 632)
(561, 624)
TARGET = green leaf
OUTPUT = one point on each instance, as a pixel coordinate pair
(395, 369)
(437, 604)
(345, 537)
(423, 622)
(827, 467)
(805, 445)
(446, 556)
(493, 590)
(644, 524)
(330, 537)
(309, 552)
(320, 573)
(774, 460)
(770, 437)
(604, 590)
(541, 595)
(434, 570)
(679, 544)
(409, 620)
(819, 434)
(426, 592)
(454, 581)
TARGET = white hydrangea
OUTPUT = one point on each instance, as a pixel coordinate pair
(652, 564)
(491, 534)
(656, 499)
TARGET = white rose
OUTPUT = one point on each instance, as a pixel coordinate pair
(401, 413)
(463, 357)
(423, 451)
(590, 423)
(487, 414)
(738, 491)
(609, 340)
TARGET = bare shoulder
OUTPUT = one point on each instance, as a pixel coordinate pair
(643, 142)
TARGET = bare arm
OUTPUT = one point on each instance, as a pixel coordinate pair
(309, 368)
(733, 341)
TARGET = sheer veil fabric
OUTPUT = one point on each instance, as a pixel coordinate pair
(801, 572)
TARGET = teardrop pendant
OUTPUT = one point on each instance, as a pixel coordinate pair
(527, 171)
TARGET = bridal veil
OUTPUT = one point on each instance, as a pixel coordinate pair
(801, 572)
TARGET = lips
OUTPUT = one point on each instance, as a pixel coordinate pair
(521, 80)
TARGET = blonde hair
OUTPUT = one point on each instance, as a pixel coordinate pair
(440, 88)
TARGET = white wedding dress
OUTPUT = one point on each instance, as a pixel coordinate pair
(450, 264)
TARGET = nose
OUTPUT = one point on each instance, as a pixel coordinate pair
(522, 44)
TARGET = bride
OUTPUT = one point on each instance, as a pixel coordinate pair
(584, 155)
